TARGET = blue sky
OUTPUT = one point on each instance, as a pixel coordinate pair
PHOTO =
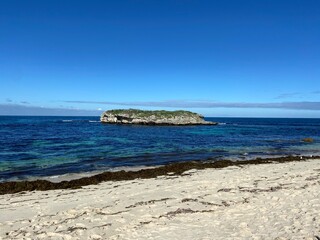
(219, 58)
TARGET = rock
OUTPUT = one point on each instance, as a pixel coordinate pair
(308, 140)
(160, 117)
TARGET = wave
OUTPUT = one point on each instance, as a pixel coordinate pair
(80, 120)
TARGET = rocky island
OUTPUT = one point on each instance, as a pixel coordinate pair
(159, 117)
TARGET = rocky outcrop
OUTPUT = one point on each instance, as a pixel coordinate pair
(308, 140)
(134, 116)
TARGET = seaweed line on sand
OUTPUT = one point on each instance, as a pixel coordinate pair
(170, 169)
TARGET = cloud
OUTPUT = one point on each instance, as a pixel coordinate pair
(210, 104)
(19, 109)
(296, 94)
(288, 95)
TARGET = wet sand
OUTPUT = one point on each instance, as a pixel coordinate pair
(271, 199)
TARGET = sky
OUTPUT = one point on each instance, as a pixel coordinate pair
(228, 58)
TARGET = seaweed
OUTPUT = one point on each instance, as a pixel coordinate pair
(167, 170)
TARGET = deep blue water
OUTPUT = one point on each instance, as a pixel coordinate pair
(45, 146)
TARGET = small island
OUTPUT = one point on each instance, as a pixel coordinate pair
(159, 117)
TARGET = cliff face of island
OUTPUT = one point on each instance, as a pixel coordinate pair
(161, 117)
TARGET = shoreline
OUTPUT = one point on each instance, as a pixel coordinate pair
(268, 200)
(174, 169)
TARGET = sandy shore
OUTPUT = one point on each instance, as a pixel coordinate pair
(267, 201)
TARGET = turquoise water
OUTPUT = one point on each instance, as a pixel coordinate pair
(45, 146)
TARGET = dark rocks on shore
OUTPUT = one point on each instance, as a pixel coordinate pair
(160, 117)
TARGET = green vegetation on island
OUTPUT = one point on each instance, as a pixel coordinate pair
(156, 113)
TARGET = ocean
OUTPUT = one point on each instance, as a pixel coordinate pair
(35, 147)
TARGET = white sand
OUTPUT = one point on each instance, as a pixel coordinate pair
(269, 201)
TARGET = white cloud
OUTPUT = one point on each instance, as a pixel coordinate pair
(19, 109)
(211, 104)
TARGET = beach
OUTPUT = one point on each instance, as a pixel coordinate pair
(159, 120)
(264, 201)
